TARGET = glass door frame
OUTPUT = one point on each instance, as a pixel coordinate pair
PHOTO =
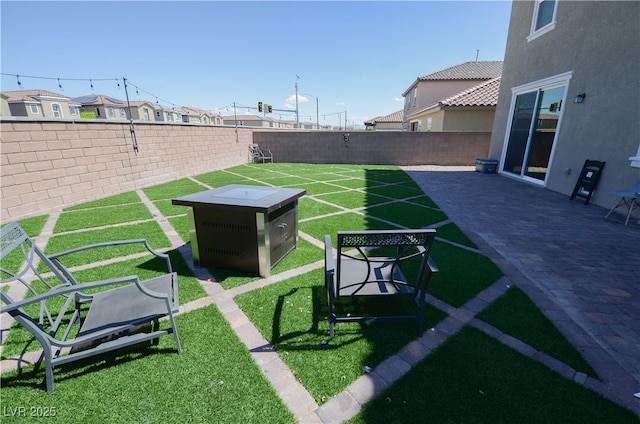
(556, 81)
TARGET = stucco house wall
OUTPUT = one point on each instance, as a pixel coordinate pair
(389, 126)
(430, 92)
(435, 124)
(4, 106)
(598, 42)
(480, 119)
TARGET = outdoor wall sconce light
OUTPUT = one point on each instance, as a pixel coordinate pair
(579, 98)
(345, 138)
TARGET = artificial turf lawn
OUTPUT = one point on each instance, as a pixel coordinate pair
(292, 316)
(102, 216)
(214, 380)
(472, 378)
(291, 313)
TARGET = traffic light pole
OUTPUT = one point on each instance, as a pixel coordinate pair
(297, 110)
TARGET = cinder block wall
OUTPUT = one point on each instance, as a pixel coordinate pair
(362, 147)
(46, 166)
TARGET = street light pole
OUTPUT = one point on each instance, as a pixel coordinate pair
(317, 113)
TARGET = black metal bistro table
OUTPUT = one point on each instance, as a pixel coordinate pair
(242, 227)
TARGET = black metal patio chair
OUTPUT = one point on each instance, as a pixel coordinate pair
(379, 263)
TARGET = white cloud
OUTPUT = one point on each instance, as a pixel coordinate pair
(290, 102)
(398, 99)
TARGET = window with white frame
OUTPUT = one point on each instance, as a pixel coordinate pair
(415, 95)
(111, 112)
(34, 108)
(145, 112)
(544, 18)
(123, 113)
(55, 109)
(73, 110)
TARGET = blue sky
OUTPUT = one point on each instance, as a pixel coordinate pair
(357, 57)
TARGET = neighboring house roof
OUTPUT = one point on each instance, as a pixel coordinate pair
(31, 95)
(195, 110)
(461, 72)
(467, 70)
(200, 112)
(99, 99)
(246, 118)
(483, 94)
(172, 108)
(392, 117)
(143, 102)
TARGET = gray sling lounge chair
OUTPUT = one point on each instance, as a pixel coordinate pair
(121, 312)
(256, 154)
(378, 263)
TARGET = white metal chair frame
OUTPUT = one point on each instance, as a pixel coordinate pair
(629, 198)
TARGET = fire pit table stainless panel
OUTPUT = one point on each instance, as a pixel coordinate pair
(241, 227)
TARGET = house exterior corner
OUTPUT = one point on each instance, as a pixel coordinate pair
(569, 93)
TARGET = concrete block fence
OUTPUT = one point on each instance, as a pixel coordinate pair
(46, 166)
(381, 147)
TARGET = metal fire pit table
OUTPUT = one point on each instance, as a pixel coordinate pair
(242, 227)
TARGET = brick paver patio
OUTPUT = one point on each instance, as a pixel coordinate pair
(583, 271)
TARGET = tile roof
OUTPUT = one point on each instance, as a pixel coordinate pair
(483, 94)
(467, 70)
(139, 103)
(99, 99)
(31, 95)
(392, 117)
(198, 111)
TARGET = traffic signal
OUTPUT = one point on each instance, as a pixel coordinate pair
(259, 106)
(269, 108)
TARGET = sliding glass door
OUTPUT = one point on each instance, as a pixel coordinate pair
(534, 123)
